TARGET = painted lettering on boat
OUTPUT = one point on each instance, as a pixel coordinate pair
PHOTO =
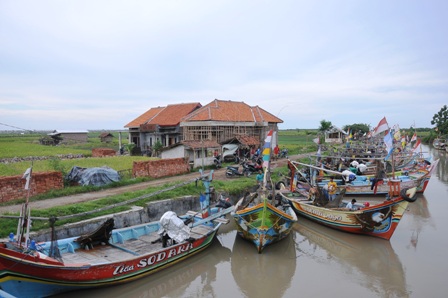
(153, 259)
(123, 269)
(322, 214)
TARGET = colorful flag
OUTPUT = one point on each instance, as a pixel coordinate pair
(267, 150)
(397, 135)
(382, 126)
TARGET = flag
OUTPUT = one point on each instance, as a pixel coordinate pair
(369, 135)
(397, 135)
(27, 176)
(382, 126)
(267, 150)
(414, 137)
(403, 142)
(316, 140)
(418, 146)
(388, 140)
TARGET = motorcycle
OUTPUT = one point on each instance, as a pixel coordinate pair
(233, 171)
(252, 167)
(284, 153)
(217, 161)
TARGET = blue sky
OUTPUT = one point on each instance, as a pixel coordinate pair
(100, 64)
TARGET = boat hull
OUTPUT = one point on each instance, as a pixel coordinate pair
(377, 221)
(264, 224)
(131, 253)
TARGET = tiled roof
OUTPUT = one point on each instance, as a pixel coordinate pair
(244, 140)
(165, 116)
(233, 111)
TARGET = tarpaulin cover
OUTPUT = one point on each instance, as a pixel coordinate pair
(174, 226)
(93, 176)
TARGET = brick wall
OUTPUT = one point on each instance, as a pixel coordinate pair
(13, 187)
(160, 168)
(100, 152)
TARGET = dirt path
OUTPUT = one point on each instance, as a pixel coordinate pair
(78, 198)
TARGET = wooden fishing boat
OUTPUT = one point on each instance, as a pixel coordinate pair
(258, 218)
(371, 185)
(107, 256)
(379, 219)
(439, 143)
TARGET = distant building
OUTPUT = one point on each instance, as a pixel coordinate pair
(106, 137)
(68, 136)
(335, 135)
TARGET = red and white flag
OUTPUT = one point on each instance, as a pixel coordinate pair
(418, 146)
(382, 126)
(414, 137)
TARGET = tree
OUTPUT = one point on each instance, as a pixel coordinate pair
(325, 125)
(440, 120)
(157, 148)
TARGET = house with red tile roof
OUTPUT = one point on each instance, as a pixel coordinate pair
(200, 132)
(223, 120)
(159, 124)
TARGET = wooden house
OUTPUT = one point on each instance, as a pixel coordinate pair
(106, 137)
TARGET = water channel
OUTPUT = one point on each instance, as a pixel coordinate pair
(315, 261)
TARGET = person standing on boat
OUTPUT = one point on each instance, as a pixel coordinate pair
(332, 187)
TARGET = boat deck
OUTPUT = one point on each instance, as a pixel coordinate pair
(116, 252)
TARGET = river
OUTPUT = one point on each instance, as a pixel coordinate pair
(315, 261)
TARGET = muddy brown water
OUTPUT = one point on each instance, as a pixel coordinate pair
(315, 261)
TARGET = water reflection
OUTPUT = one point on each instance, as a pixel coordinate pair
(419, 219)
(442, 168)
(172, 281)
(372, 262)
(274, 268)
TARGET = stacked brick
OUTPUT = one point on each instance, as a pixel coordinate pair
(160, 168)
(13, 187)
(101, 152)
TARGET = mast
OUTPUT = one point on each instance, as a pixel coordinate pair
(23, 227)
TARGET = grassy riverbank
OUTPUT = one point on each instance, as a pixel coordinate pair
(22, 146)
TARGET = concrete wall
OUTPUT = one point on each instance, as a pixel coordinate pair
(13, 187)
(138, 215)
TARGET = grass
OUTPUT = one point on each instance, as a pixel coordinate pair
(21, 146)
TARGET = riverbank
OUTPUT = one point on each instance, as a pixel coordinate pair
(219, 174)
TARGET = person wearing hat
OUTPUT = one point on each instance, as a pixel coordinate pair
(351, 204)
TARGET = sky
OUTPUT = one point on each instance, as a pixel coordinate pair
(97, 65)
